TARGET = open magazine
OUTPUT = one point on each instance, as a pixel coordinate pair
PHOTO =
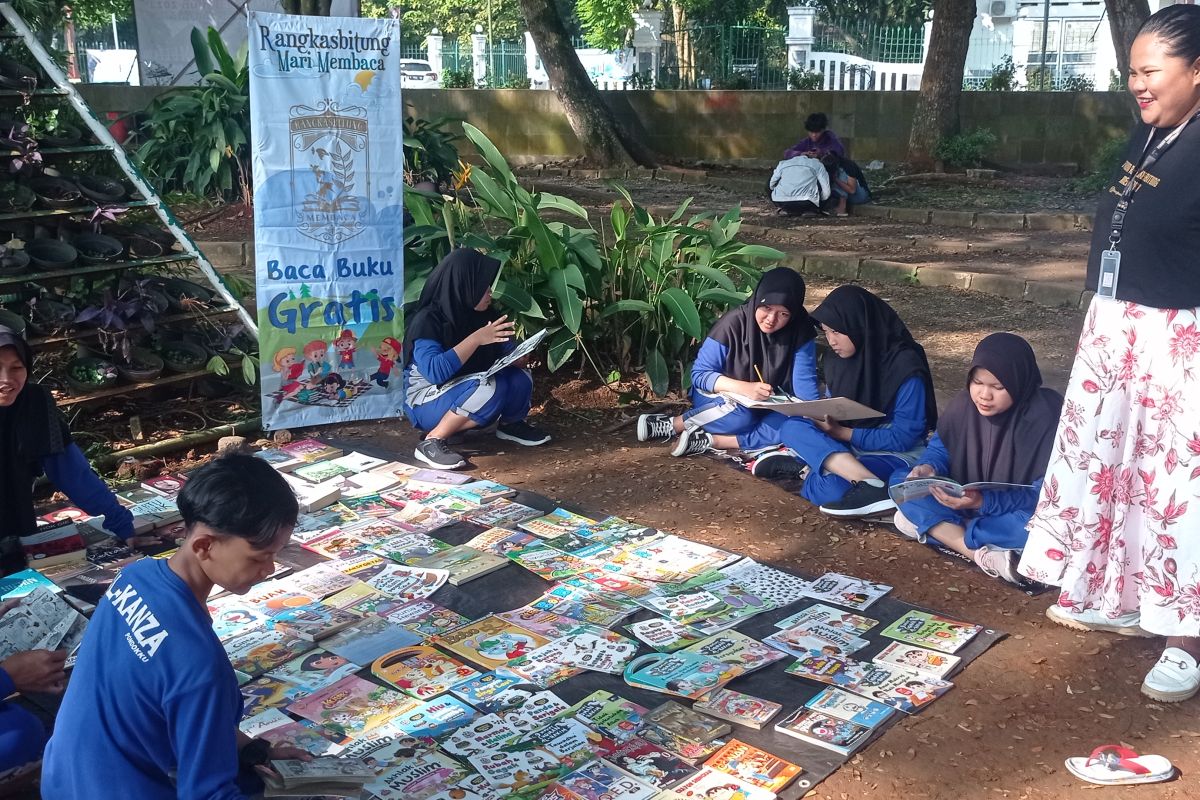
(520, 351)
(839, 408)
(922, 487)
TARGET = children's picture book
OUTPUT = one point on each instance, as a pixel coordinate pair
(755, 766)
(356, 592)
(543, 623)
(320, 472)
(815, 638)
(464, 563)
(312, 450)
(417, 776)
(472, 787)
(322, 775)
(424, 617)
(602, 780)
(307, 736)
(269, 692)
(421, 671)
(362, 484)
(420, 518)
(408, 548)
(925, 629)
(280, 459)
(831, 617)
(900, 689)
(775, 586)
(685, 608)
(548, 563)
(490, 642)
(501, 541)
(649, 762)
(231, 617)
(498, 690)
(915, 489)
(435, 718)
(712, 784)
(439, 477)
(360, 566)
(261, 650)
(41, 621)
(314, 671)
(385, 746)
(736, 707)
(556, 523)
(167, 485)
(586, 605)
(610, 714)
(364, 504)
(835, 702)
(352, 706)
(842, 409)
(411, 583)
(321, 580)
(358, 462)
(451, 505)
(365, 641)
(314, 622)
(928, 663)
(540, 709)
(823, 730)
(599, 650)
(265, 720)
(844, 590)
(336, 543)
(481, 492)
(737, 650)
(501, 513)
(275, 597)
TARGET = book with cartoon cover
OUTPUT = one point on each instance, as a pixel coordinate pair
(736, 649)
(598, 650)
(683, 674)
(315, 670)
(543, 623)
(849, 623)
(471, 787)
(664, 635)
(900, 689)
(417, 776)
(411, 583)
(929, 663)
(335, 543)
(480, 492)
(736, 707)
(352, 706)
(312, 450)
(364, 641)
(353, 594)
(360, 566)
(824, 730)
(931, 630)
(502, 513)
(774, 585)
(420, 518)
(358, 462)
(464, 563)
(269, 692)
(649, 762)
(261, 650)
(421, 671)
(266, 719)
(314, 622)
(845, 590)
(501, 541)
(586, 605)
(845, 705)
(434, 718)
(320, 472)
(754, 766)
(601, 780)
(610, 714)
(491, 642)
(308, 736)
(556, 523)
(712, 784)
(408, 548)
(424, 617)
(546, 562)
(815, 639)
(321, 580)
(497, 690)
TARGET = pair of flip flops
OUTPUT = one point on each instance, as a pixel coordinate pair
(1113, 765)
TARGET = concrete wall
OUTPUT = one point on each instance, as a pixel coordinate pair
(756, 127)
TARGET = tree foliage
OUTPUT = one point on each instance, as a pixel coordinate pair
(606, 23)
(456, 19)
(42, 15)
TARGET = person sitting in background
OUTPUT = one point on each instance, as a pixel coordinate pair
(35, 439)
(819, 141)
(800, 185)
(847, 183)
(22, 736)
(999, 429)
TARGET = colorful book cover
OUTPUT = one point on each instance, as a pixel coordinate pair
(814, 639)
(412, 492)
(420, 518)
(264, 720)
(684, 724)
(498, 690)
(610, 714)
(682, 674)
(361, 566)
(451, 505)
(233, 618)
(598, 651)
(307, 736)
(930, 630)
(269, 692)
(650, 762)
(424, 617)
(320, 471)
(548, 563)
(900, 689)
(577, 544)
(556, 523)
(281, 460)
(832, 733)
(361, 484)
(482, 491)
(755, 766)
(435, 718)
(712, 784)
(620, 533)
(314, 671)
(312, 450)
(352, 706)
(601, 780)
(501, 513)
(850, 624)
(367, 506)
(543, 623)
(320, 580)
(314, 622)
(597, 580)
(835, 702)
(421, 671)
(585, 605)
(845, 590)
(165, 485)
(417, 777)
(928, 663)
(386, 746)
(736, 649)
(410, 583)
(336, 543)
(260, 651)
(536, 758)
(482, 735)
(501, 541)
(490, 642)
(543, 673)
(352, 594)
(358, 462)
(464, 563)
(736, 707)
(408, 548)
(377, 605)
(472, 787)
(367, 640)
(540, 709)
(773, 585)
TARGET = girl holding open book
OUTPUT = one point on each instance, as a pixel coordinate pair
(875, 361)
(453, 335)
(999, 429)
(761, 348)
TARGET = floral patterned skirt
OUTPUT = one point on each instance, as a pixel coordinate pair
(1117, 524)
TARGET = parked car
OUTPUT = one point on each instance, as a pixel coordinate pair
(416, 74)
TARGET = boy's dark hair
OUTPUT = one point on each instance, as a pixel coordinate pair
(241, 496)
(1179, 28)
(816, 122)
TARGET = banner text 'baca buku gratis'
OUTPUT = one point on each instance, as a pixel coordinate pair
(328, 216)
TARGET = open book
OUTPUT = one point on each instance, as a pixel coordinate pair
(922, 487)
(839, 408)
(520, 351)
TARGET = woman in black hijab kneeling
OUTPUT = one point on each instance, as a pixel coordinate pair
(999, 429)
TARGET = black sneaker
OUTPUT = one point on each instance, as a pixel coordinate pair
(436, 454)
(861, 500)
(521, 432)
(655, 428)
(692, 442)
(778, 465)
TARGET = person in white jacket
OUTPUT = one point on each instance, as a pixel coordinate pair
(800, 185)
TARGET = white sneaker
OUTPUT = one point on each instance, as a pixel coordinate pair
(998, 562)
(1175, 678)
(655, 428)
(1091, 620)
(906, 527)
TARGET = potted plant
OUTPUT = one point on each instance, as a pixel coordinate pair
(13, 258)
(25, 159)
(56, 192)
(89, 373)
(15, 197)
(51, 254)
(62, 135)
(182, 356)
(140, 365)
(47, 315)
(95, 248)
(100, 189)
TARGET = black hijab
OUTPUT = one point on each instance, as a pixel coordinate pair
(1013, 447)
(446, 313)
(748, 347)
(30, 429)
(886, 355)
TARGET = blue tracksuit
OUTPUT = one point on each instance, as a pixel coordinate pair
(71, 474)
(755, 429)
(1000, 522)
(506, 396)
(882, 449)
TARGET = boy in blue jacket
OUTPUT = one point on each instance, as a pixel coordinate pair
(153, 705)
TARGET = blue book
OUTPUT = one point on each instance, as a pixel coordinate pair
(366, 641)
(22, 583)
(683, 674)
(835, 702)
(435, 718)
(494, 691)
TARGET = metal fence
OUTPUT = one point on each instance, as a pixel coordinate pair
(870, 41)
(723, 57)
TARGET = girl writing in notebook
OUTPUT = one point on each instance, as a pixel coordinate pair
(999, 429)
(452, 335)
(763, 347)
(874, 361)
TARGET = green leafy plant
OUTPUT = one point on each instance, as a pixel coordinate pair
(458, 79)
(1104, 165)
(965, 149)
(1003, 77)
(510, 80)
(429, 150)
(198, 139)
(1077, 83)
(805, 80)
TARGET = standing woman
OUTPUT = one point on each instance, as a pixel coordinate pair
(35, 440)
(453, 334)
(874, 361)
(1116, 523)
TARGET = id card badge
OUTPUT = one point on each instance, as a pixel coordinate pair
(1110, 270)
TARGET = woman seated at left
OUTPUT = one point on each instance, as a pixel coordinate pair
(875, 361)
(763, 347)
(35, 441)
(453, 335)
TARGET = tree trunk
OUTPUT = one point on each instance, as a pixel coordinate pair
(1124, 19)
(936, 114)
(604, 139)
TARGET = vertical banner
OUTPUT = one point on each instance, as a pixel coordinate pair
(328, 216)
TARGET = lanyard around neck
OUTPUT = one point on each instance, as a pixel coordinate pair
(1148, 160)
